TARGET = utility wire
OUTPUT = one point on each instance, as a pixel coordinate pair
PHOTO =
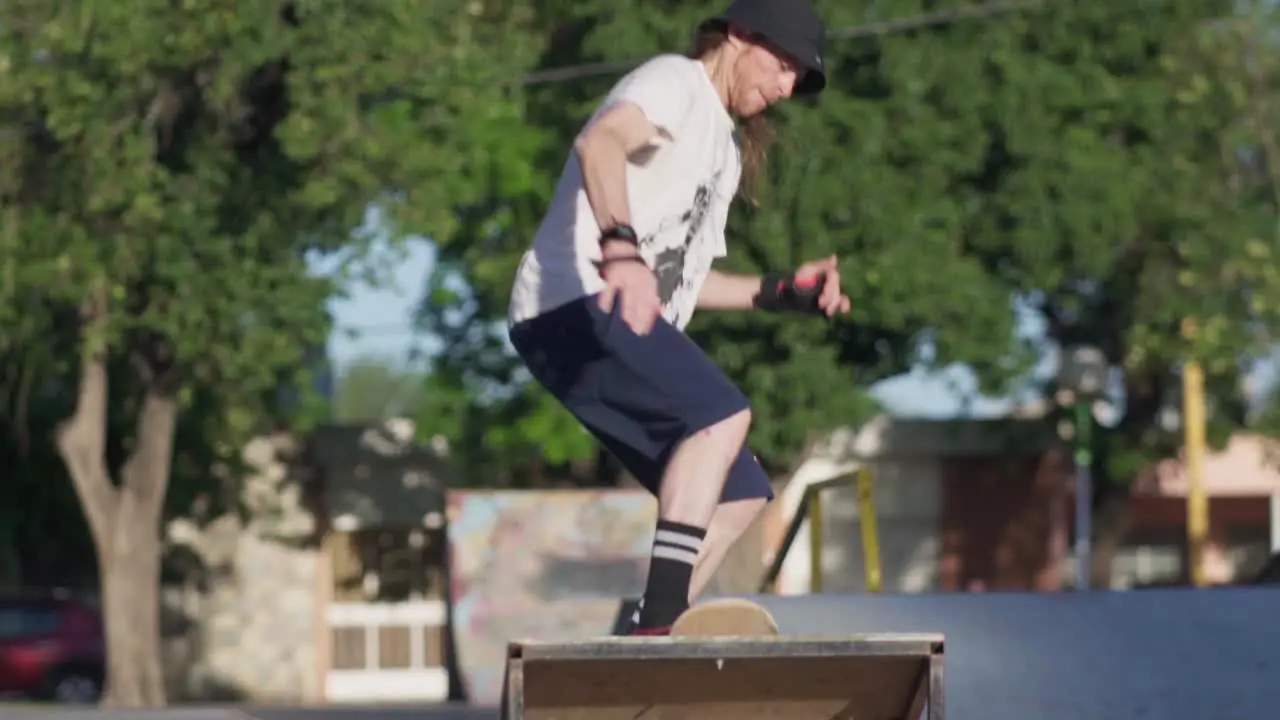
(849, 32)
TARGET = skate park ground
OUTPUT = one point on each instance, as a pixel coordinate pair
(1174, 654)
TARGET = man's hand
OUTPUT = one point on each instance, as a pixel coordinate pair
(630, 281)
(831, 301)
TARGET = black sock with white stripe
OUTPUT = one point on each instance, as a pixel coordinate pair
(666, 594)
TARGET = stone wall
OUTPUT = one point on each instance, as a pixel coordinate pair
(242, 618)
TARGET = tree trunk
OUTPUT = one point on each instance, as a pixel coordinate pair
(130, 565)
(124, 520)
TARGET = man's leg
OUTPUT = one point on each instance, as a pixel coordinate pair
(688, 494)
(728, 524)
(745, 495)
(663, 398)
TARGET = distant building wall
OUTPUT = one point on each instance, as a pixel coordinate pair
(250, 633)
(945, 497)
(989, 505)
(245, 598)
(1004, 522)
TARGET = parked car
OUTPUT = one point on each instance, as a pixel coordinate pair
(51, 649)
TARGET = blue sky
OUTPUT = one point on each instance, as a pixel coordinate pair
(382, 320)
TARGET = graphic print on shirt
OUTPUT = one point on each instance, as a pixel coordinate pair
(670, 258)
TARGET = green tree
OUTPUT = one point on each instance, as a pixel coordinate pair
(503, 429)
(166, 171)
(1084, 160)
(1083, 175)
(800, 378)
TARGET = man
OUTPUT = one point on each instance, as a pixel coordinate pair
(623, 257)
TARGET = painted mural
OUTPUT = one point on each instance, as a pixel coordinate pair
(543, 565)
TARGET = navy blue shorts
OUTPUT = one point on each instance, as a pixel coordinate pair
(638, 395)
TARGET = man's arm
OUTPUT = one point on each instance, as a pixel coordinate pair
(814, 287)
(722, 291)
(602, 150)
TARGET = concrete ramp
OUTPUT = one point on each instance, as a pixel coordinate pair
(1174, 654)
(868, 677)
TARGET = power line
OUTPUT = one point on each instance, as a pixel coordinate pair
(849, 32)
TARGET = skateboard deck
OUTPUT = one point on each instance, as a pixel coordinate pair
(725, 617)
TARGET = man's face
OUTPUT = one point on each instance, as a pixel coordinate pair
(764, 75)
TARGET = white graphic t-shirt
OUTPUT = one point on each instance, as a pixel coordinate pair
(679, 188)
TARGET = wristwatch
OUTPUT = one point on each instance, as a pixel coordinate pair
(622, 232)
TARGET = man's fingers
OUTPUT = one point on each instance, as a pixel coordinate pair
(831, 290)
(833, 305)
(809, 273)
(637, 313)
(651, 311)
(639, 306)
(607, 297)
(628, 313)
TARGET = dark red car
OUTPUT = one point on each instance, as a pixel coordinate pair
(51, 648)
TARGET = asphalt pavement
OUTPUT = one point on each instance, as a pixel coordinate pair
(1177, 654)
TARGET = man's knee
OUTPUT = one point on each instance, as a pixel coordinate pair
(732, 431)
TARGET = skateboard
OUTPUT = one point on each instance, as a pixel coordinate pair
(725, 617)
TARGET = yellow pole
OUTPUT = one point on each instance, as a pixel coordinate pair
(1194, 426)
(870, 533)
(815, 540)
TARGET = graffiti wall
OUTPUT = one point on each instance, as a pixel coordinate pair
(544, 565)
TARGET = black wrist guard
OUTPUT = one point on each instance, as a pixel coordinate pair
(625, 233)
(780, 293)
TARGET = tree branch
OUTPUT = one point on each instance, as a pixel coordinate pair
(82, 438)
(146, 471)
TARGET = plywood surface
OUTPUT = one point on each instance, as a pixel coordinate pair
(873, 688)
(916, 645)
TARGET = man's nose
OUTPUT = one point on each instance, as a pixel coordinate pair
(787, 84)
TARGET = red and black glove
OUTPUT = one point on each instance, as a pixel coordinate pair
(787, 293)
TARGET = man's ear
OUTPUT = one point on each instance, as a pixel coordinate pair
(737, 35)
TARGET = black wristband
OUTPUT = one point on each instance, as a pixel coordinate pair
(780, 293)
(606, 262)
(623, 232)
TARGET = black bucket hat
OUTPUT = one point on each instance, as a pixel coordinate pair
(793, 26)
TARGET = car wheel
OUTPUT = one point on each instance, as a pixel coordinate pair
(76, 687)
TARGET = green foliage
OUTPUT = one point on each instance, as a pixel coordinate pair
(1109, 165)
(167, 172)
(518, 427)
(501, 427)
(191, 160)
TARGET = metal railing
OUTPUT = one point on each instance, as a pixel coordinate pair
(811, 509)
